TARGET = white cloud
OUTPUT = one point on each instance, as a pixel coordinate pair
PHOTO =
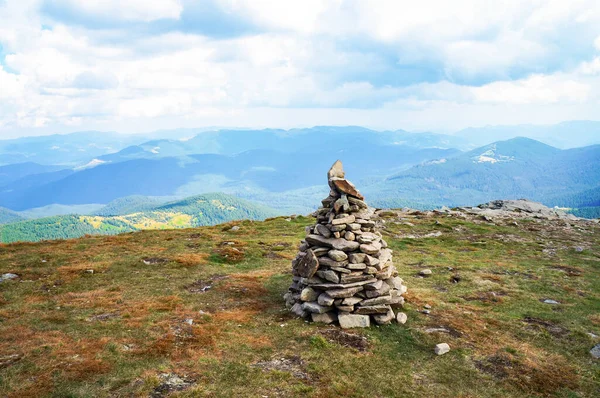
(321, 58)
(129, 10)
(535, 89)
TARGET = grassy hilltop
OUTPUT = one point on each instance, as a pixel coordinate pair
(198, 312)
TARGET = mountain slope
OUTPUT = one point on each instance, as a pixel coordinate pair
(13, 172)
(195, 211)
(570, 134)
(266, 170)
(8, 216)
(508, 169)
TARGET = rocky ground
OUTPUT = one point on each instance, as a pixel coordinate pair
(514, 293)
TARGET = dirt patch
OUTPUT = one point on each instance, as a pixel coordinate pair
(103, 317)
(293, 365)
(570, 271)
(273, 256)
(171, 382)
(8, 360)
(155, 260)
(487, 297)
(192, 259)
(229, 253)
(552, 328)
(443, 329)
(201, 286)
(500, 366)
(350, 340)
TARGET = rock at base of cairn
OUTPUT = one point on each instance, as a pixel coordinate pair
(344, 271)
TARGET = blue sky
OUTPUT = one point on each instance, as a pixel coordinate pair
(139, 65)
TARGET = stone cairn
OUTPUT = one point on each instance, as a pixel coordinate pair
(344, 270)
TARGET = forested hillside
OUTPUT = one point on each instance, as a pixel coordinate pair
(195, 211)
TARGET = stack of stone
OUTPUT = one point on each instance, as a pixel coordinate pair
(344, 270)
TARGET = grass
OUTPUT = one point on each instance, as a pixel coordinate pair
(67, 332)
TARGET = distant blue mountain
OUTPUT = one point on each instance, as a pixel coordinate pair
(565, 135)
(267, 170)
(510, 169)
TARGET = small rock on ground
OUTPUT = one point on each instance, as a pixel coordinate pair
(442, 348)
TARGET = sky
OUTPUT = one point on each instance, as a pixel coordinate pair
(144, 65)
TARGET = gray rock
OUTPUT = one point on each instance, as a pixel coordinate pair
(328, 286)
(401, 318)
(8, 276)
(345, 308)
(356, 258)
(338, 244)
(307, 265)
(328, 262)
(337, 255)
(395, 283)
(338, 227)
(595, 352)
(384, 289)
(323, 230)
(348, 321)
(351, 301)
(327, 317)
(442, 349)
(320, 251)
(345, 186)
(345, 293)
(349, 236)
(368, 237)
(325, 300)
(387, 299)
(341, 204)
(350, 278)
(341, 270)
(361, 204)
(550, 301)
(336, 171)
(370, 248)
(308, 294)
(329, 275)
(353, 226)
(314, 307)
(385, 319)
(298, 310)
(425, 272)
(372, 309)
(344, 220)
(374, 286)
(371, 261)
(356, 266)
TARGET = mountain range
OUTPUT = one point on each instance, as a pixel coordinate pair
(111, 175)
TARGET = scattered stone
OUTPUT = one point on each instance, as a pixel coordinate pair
(8, 276)
(235, 228)
(442, 349)
(89, 271)
(170, 382)
(425, 272)
(595, 352)
(401, 318)
(550, 301)
(344, 271)
(427, 306)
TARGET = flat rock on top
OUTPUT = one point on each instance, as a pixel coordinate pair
(346, 187)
